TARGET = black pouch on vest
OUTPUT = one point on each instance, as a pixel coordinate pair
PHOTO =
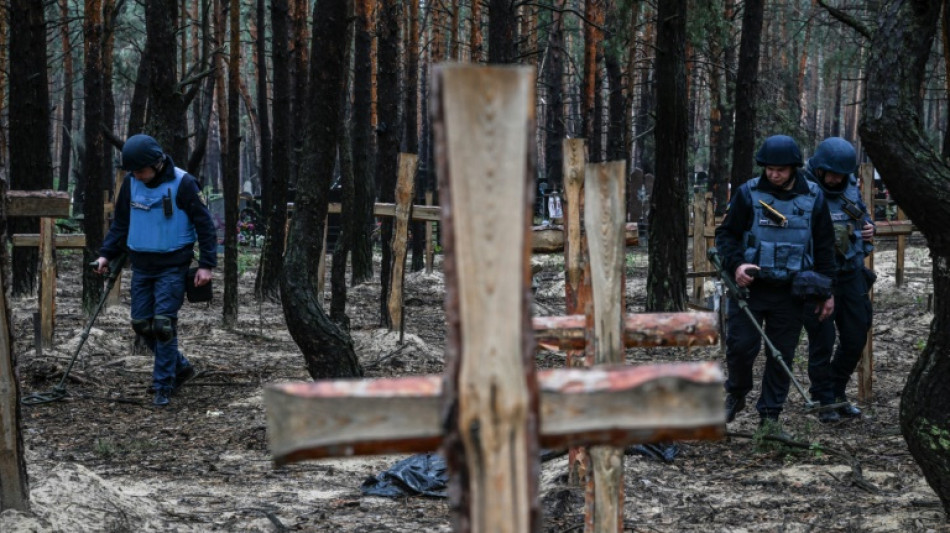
(196, 294)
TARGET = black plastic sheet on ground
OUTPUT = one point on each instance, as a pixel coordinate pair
(419, 475)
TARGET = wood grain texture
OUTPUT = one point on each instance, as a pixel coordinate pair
(602, 405)
(42, 203)
(604, 215)
(640, 330)
(405, 185)
(47, 296)
(483, 125)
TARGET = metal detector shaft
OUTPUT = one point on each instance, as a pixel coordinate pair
(740, 294)
(59, 391)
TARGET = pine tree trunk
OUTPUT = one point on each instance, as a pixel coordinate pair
(272, 256)
(65, 154)
(502, 31)
(387, 80)
(743, 146)
(327, 349)
(31, 165)
(553, 75)
(260, 44)
(411, 108)
(919, 181)
(666, 274)
(166, 109)
(364, 147)
(232, 177)
(300, 36)
(341, 252)
(92, 164)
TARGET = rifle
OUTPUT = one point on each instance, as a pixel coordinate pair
(740, 294)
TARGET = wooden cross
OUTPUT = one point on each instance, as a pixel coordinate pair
(491, 411)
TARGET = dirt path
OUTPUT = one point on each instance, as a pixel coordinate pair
(107, 461)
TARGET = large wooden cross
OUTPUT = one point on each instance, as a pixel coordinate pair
(491, 410)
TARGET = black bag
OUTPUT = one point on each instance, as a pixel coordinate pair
(811, 285)
(196, 294)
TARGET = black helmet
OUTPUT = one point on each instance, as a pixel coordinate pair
(141, 151)
(779, 151)
(834, 154)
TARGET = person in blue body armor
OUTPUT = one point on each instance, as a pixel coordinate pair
(832, 168)
(777, 225)
(159, 215)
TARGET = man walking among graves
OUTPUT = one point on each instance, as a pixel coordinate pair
(776, 227)
(831, 168)
(159, 215)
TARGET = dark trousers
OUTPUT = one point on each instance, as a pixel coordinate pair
(161, 293)
(780, 312)
(829, 369)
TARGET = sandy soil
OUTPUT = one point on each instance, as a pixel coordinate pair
(105, 460)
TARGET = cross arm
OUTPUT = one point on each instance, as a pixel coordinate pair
(604, 405)
(639, 330)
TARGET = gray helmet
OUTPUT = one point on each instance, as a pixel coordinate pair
(141, 151)
(779, 151)
(834, 154)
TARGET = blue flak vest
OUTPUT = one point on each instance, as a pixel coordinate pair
(150, 230)
(852, 258)
(781, 251)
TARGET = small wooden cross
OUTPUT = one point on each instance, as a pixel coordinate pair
(492, 410)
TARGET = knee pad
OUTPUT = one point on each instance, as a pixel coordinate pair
(163, 328)
(143, 327)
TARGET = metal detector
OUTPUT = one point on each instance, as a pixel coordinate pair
(740, 294)
(59, 391)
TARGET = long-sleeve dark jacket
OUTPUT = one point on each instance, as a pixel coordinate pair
(189, 201)
(738, 220)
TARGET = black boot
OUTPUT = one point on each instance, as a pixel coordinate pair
(848, 410)
(734, 404)
(828, 416)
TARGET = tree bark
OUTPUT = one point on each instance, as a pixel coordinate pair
(341, 252)
(364, 147)
(92, 166)
(502, 31)
(553, 74)
(418, 228)
(262, 105)
(299, 36)
(919, 180)
(108, 95)
(31, 165)
(666, 275)
(232, 178)
(743, 146)
(327, 349)
(166, 115)
(387, 79)
(272, 256)
(593, 82)
(65, 154)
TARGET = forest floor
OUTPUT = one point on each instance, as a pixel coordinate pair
(106, 460)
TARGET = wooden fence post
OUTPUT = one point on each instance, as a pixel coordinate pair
(430, 251)
(47, 296)
(901, 250)
(866, 365)
(405, 184)
(14, 489)
(604, 213)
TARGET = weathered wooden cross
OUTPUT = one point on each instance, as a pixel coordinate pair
(491, 411)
